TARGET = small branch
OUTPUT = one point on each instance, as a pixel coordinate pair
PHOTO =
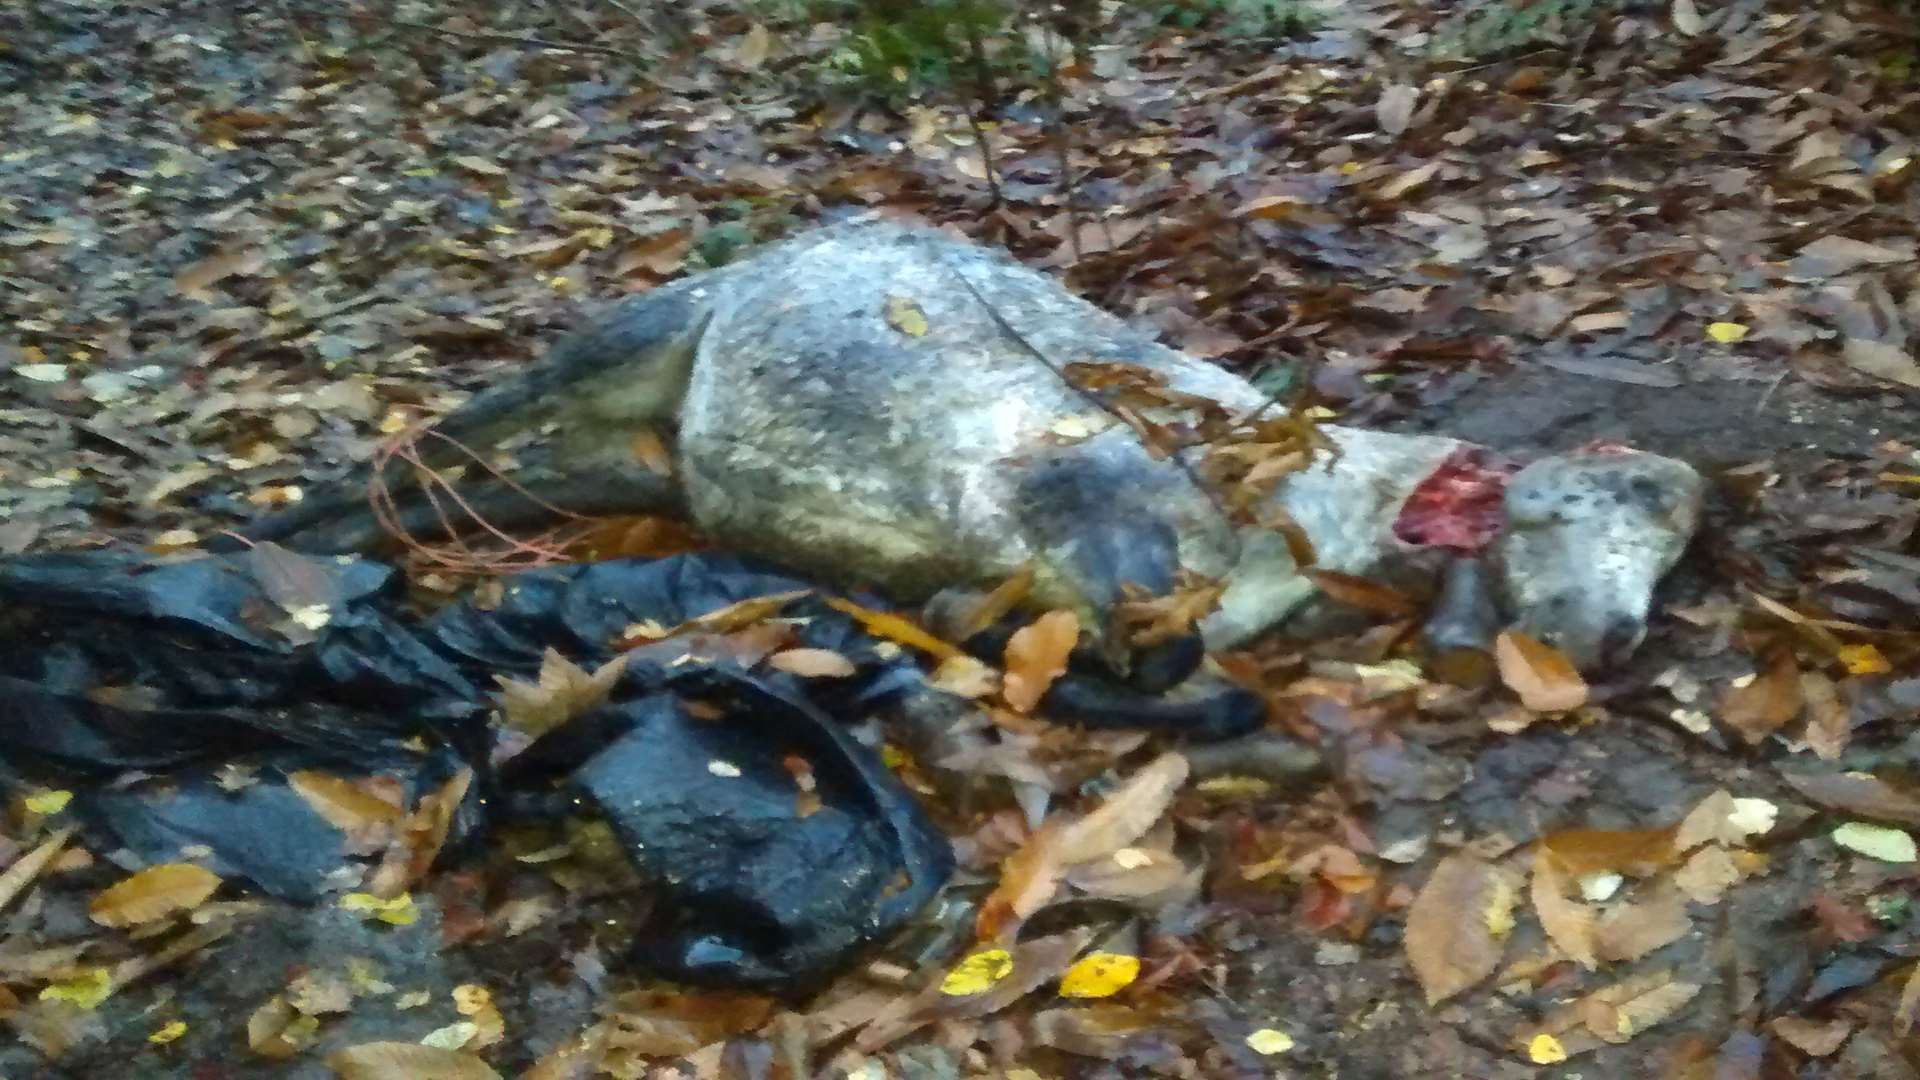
(983, 94)
(1064, 146)
(470, 35)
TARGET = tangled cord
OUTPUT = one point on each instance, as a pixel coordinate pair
(459, 520)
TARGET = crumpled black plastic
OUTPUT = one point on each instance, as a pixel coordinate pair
(147, 686)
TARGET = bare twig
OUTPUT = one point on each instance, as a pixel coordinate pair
(984, 93)
(1063, 144)
(471, 35)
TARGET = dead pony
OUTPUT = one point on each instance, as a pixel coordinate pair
(884, 405)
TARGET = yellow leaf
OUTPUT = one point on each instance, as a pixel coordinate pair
(977, 973)
(1546, 1050)
(85, 990)
(398, 911)
(407, 1061)
(1099, 975)
(1864, 660)
(154, 893)
(1269, 1041)
(1726, 333)
(894, 628)
(905, 316)
(52, 802)
(168, 1033)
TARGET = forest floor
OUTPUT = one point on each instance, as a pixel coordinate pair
(241, 245)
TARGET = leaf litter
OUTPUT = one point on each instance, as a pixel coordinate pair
(1672, 198)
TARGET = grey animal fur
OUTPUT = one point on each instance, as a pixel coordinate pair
(817, 425)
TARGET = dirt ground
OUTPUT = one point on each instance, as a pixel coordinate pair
(249, 243)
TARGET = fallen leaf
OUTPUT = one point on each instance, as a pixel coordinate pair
(905, 316)
(1457, 925)
(562, 691)
(1036, 655)
(86, 990)
(1125, 815)
(1858, 793)
(1569, 924)
(1395, 108)
(1544, 1049)
(894, 628)
(812, 663)
(1358, 592)
(1829, 716)
(1707, 875)
(345, 805)
(1099, 975)
(754, 47)
(1726, 333)
(1722, 819)
(1877, 842)
(1686, 17)
(1864, 660)
(1632, 930)
(1811, 1037)
(1269, 1041)
(153, 893)
(407, 1061)
(1540, 674)
(1769, 701)
(479, 165)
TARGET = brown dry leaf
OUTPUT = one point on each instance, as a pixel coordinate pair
(1620, 1012)
(1829, 716)
(153, 893)
(28, 867)
(1127, 814)
(1030, 876)
(812, 663)
(347, 806)
(1037, 655)
(1458, 924)
(278, 1031)
(1909, 1006)
(1631, 931)
(563, 691)
(999, 603)
(407, 1061)
(193, 281)
(894, 628)
(753, 48)
(649, 449)
(1811, 1037)
(1860, 794)
(1769, 702)
(420, 838)
(1028, 879)
(1570, 924)
(1707, 875)
(664, 1025)
(1359, 592)
(1130, 874)
(1630, 851)
(1540, 674)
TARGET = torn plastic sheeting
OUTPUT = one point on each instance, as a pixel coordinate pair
(712, 807)
(761, 894)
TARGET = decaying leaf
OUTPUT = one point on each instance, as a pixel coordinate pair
(1630, 931)
(407, 1061)
(562, 691)
(905, 316)
(351, 807)
(154, 893)
(1037, 655)
(1811, 1037)
(1458, 924)
(811, 663)
(1769, 702)
(1029, 877)
(1541, 675)
(1570, 924)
